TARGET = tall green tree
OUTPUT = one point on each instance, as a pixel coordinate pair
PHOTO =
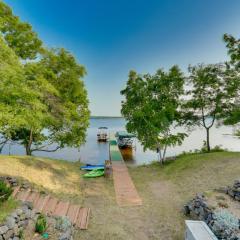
(58, 77)
(42, 101)
(206, 99)
(151, 108)
(18, 35)
(232, 113)
(20, 105)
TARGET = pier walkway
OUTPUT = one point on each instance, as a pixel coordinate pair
(125, 190)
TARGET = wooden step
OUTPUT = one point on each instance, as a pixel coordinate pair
(23, 195)
(15, 191)
(83, 218)
(61, 209)
(72, 213)
(33, 197)
(50, 206)
(41, 202)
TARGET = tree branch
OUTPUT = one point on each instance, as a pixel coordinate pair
(214, 117)
(45, 150)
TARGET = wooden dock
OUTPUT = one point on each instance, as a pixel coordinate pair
(47, 204)
(125, 190)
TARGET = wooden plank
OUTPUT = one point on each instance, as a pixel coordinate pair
(125, 190)
(15, 191)
(73, 212)
(40, 203)
(61, 209)
(83, 218)
(32, 197)
(79, 218)
(50, 206)
(23, 195)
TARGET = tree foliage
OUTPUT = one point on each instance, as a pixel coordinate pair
(207, 97)
(42, 101)
(18, 101)
(232, 115)
(18, 35)
(151, 108)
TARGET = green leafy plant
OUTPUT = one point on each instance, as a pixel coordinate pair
(41, 224)
(21, 234)
(5, 191)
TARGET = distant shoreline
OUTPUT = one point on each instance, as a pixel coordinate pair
(98, 117)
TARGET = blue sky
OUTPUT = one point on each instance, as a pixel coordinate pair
(112, 37)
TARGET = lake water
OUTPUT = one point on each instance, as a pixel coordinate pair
(93, 152)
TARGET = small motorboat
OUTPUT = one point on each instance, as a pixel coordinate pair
(102, 135)
(125, 139)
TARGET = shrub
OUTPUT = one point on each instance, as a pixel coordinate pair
(62, 223)
(226, 225)
(41, 224)
(5, 191)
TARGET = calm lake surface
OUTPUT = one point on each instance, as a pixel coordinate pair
(93, 152)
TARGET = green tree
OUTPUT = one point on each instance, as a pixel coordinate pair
(232, 113)
(20, 105)
(151, 108)
(42, 101)
(206, 99)
(18, 35)
(57, 76)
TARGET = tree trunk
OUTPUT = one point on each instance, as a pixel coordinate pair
(28, 150)
(160, 153)
(208, 141)
(29, 144)
(164, 153)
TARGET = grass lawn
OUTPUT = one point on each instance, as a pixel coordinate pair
(164, 191)
(6, 208)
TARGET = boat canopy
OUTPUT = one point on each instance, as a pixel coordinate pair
(124, 134)
(102, 128)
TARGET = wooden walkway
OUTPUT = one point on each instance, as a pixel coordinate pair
(52, 206)
(126, 193)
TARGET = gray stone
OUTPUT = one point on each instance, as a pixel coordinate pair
(16, 238)
(16, 230)
(1, 238)
(28, 205)
(8, 234)
(3, 229)
(22, 216)
(65, 236)
(21, 224)
(14, 215)
(19, 211)
(10, 222)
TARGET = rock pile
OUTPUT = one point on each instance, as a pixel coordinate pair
(13, 182)
(16, 222)
(20, 218)
(198, 208)
(234, 191)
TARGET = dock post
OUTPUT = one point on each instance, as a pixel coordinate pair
(108, 169)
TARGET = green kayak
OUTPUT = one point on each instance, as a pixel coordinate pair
(94, 173)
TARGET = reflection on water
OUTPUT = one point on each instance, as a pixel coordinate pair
(94, 152)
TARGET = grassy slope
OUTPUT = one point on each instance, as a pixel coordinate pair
(164, 190)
